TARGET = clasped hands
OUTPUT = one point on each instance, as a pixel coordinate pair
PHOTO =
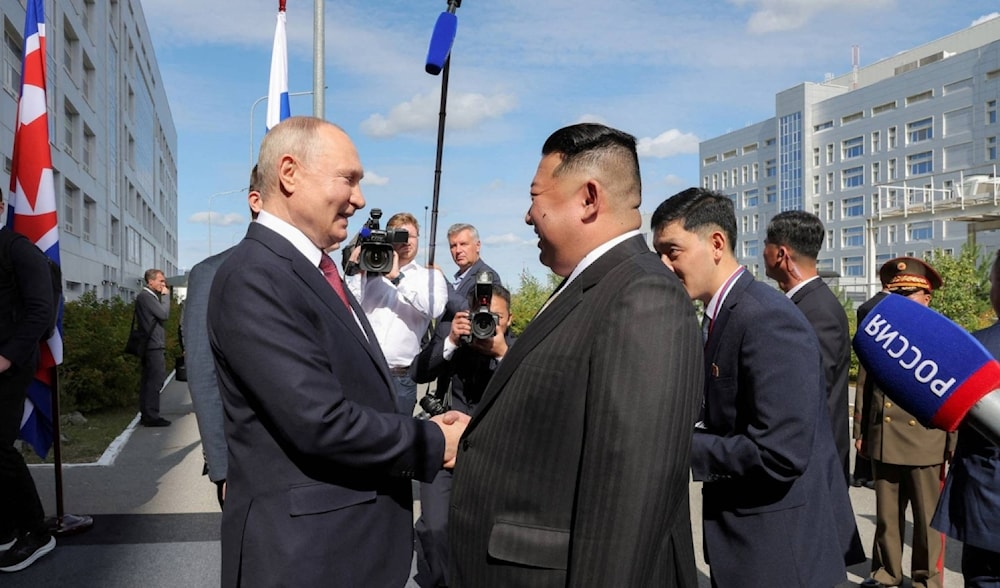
(453, 424)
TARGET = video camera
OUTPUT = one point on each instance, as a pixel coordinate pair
(484, 322)
(376, 246)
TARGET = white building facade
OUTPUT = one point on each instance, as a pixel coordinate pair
(888, 157)
(113, 141)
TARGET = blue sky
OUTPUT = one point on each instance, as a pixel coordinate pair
(672, 73)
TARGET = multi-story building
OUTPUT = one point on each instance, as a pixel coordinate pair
(114, 146)
(896, 158)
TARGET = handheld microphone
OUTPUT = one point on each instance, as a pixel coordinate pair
(930, 366)
(442, 39)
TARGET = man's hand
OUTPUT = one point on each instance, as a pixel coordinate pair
(496, 346)
(4, 364)
(859, 447)
(453, 424)
(394, 272)
(460, 326)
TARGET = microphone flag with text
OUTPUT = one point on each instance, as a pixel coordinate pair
(930, 366)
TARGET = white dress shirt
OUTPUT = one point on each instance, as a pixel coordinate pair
(400, 314)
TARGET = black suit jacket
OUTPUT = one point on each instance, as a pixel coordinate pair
(574, 469)
(318, 489)
(776, 509)
(828, 318)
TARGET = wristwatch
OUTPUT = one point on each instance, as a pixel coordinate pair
(395, 281)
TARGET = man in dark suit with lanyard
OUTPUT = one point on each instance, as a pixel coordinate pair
(464, 246)
(574, 469)
(775, 506)
(318, 490)
(794, 238)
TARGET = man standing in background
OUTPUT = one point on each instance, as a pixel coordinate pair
(152, 309)
(794, 239)
(464, 245)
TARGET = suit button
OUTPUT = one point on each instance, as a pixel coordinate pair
(888, 405)
(888, 419)
(912, 423)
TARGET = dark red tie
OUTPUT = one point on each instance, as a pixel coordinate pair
(332, 276)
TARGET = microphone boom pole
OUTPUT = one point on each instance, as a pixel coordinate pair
(432, 245)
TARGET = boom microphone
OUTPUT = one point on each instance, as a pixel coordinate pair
(930, 366)
(442, 39)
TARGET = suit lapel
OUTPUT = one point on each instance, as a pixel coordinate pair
(568, 299)
(722, 318)
(314, 279)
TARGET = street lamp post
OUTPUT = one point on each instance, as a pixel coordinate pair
(253, 108)
(210, 198)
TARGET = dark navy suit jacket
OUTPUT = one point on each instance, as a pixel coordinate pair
(320, 464)
(776, 509)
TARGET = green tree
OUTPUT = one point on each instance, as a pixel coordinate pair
(964, 296)
(529, 298)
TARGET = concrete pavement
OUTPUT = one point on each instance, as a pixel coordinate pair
(156, 519)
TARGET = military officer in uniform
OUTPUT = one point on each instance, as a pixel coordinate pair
(907, 458)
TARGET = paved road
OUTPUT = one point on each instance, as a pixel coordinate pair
(156, 519)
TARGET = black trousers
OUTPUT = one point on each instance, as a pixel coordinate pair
(20, 508)
(154, 371)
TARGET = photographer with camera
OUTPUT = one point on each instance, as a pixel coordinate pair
(465, 351)
(399, 296)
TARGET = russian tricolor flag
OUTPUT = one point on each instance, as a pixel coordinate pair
(33, 212)
(277, 94)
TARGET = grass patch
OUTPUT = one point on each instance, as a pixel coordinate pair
(86, 442)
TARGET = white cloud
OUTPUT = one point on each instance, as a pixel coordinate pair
(373, 179)
(506, 239)
(985, 18)
(217, 218)
(668, 144)
(465, 111)
(674, 180)
(771, 16)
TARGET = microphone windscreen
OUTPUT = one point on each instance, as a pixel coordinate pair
(925, 362)
(441, 42)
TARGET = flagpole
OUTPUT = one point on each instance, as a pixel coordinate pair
(63, 524)
(319, 59)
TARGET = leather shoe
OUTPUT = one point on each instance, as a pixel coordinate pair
(157, 422)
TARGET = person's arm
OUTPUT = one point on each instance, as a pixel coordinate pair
(31, 271)
(425, 291)
(430, 362)
(202, 382)
(642, 396)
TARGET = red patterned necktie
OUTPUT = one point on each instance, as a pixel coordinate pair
(332, 276)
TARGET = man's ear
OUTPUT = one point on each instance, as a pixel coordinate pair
(288, 168)
(593, 196)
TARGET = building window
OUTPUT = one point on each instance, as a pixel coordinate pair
(921, 130)
(750, 198)
(923, 231)
(829, 153)
(771, 194)
(920, 163)
(70, 195)
(890, 238)
(829, 210)
(892, 173)
(875, 173)
(11, 61)
(991, 148)
(824, 265)
(852, 266)
(89, 142)
(829, 183)
(991, 112)
(114, 236)
(852, 237)
(88, 79)
(770, 168)
(755, 225)
(815, 156)
(829, 240)
(883, 108)
(852, 177)
(925, 95)
(70, 48)
(815, 185)
(892, 138)
(823, 126)
(876, 141)
(852, 117)
(854, 206)
(751, 248)
(89, 209)
(69, 128)
(852, 148)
